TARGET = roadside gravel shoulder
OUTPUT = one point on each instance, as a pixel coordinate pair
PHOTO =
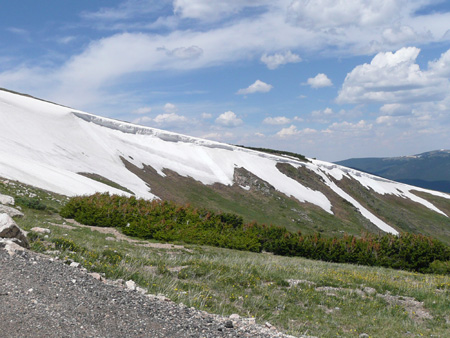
(40, 297)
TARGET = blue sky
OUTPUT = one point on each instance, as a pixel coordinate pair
(330, 79)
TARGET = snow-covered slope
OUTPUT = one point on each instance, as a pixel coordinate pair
(47, 145)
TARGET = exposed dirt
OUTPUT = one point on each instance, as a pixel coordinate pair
(119, 236)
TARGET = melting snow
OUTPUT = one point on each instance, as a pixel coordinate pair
(46, 145)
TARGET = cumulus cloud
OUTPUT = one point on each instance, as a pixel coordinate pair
(143, 120)
(292, 131)
(326, 112)
(395, 109)
(142, 110)
(206, 116)
(257, 87)
(170, 108)
(207, 10)
(332, 13)
(218, 136)
(229, 119)
(85, 78)
(319, 81)
(278, 120)
(289, 131)
(396, 78)
(191, 52)
(349, 127)
(169, 118)
(276, 60)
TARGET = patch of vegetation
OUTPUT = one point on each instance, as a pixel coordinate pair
(32, 203)
(167, 221)
(298, 296)
(277, 152)
(104, 180)
(29, 197)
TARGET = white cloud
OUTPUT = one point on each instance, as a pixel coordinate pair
(289, 131)
(396, 78)
(207, 10)
(349, 127)
(257, 87)
(319, 81)
(329, 27)
(218, 136)
(170, 108)
(191, 52)
(331, 13)
(229, 119)
(142, 120)
(278, 120)
(395, 109)
(206, 116)
(142, 110)
(169, 118)
(326, 112)
(276, 60)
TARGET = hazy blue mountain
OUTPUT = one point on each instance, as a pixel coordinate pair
(430, 170)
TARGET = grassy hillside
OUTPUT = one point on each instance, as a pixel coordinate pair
(298, 296)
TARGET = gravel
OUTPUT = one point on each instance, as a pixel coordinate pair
(40, 297)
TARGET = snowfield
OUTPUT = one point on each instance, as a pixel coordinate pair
(47, 145)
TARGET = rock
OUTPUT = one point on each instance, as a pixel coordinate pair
(96, 275)
(110, 239)
(10, 246)
(74, 265)
(229, 324)
(12, 212)
(9, 229)
(6, 200)
(234, 316)
(41, 230)
(250, 321)
(141, 290)
(131, 285)
(363, 335)
(370, 291)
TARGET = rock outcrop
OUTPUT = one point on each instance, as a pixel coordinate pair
(10, 232)
(6, 200)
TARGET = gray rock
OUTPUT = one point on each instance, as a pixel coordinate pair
(9, 229)
(6, 200)
(12, 212)
(41, 230)
(131, 285)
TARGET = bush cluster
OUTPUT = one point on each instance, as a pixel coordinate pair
(167, 221)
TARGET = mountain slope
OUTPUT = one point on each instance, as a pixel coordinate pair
(430, 170)
(72, 152)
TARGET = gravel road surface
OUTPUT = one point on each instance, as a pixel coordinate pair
(40, 297)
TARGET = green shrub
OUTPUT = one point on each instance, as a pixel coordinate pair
(32, 203)
(167, 221)
(442, 268)
(66, 244)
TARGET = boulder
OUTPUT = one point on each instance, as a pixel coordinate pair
(6, 200)
(40, 230)
(12, 212)
(9, 229)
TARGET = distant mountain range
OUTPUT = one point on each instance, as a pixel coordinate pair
(430, 170)
(71, 152)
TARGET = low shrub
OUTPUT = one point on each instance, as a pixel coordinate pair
(167, 221)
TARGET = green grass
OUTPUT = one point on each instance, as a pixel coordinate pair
(327, 300)
(106, 181)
